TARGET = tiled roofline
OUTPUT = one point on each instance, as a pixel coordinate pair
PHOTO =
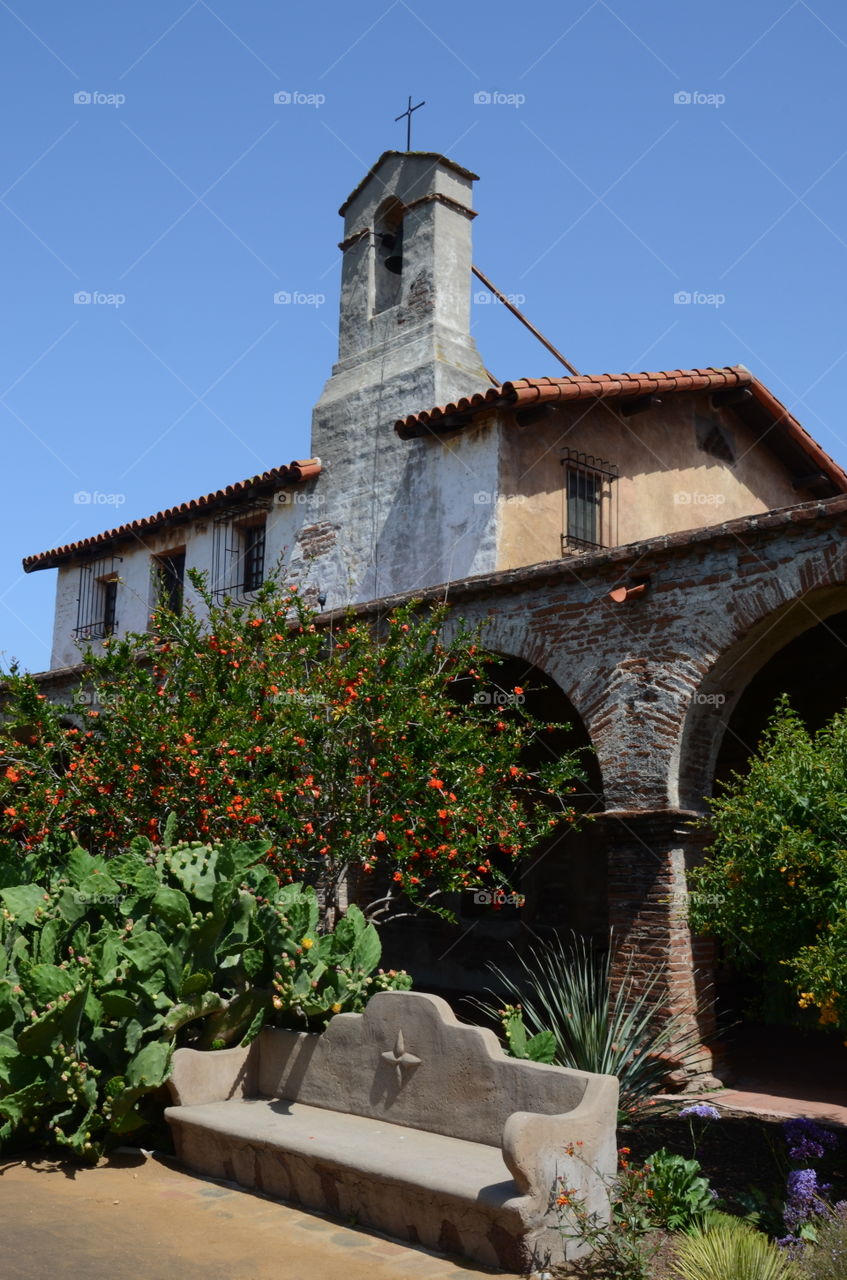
(526, 392)
(267, 482)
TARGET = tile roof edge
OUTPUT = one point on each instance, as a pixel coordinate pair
(526, 391)
(296, 472)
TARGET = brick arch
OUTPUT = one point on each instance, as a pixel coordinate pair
(712, 703)
(508, 637)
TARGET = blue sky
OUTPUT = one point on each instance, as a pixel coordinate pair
(627, 153)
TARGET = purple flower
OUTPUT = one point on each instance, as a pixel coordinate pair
(807, 1140)
(804, 1197)
(703, 1111)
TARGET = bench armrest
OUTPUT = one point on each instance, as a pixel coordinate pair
(213, 1075)
(535, 1148)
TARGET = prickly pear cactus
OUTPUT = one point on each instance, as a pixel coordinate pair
(108, 965)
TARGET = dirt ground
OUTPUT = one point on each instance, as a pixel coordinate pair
(141, 1218)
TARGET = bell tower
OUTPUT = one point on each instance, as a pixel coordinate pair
(404, 344)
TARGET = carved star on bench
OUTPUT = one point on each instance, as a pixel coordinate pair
(399, 1058)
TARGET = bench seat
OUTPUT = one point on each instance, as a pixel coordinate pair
(426, 1161)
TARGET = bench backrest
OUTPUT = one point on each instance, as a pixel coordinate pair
(408, 1060)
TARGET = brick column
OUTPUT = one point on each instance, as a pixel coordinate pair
(649, 852)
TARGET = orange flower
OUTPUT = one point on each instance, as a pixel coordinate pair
(13, 774)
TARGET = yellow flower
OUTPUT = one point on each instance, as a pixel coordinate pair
(336, 1008)
(305, 943)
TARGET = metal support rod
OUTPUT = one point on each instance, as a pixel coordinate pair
(515, 312)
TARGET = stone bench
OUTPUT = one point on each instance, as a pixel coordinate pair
(406, 1120)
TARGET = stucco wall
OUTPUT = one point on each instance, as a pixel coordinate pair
(667, 481)
(135, 591)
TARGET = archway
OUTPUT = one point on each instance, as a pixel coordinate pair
(561, 886)
(805, 658)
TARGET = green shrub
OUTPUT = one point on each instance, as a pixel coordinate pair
(730, 1249)
(105, 966)
(826, 1259)
(618, 1028)
(680, 1195)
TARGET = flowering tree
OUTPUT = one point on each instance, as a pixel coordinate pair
(363, 754)
(774, 883)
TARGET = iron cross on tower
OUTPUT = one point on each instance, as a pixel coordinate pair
(407, 115)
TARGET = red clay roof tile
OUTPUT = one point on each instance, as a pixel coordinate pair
(267, 482)
(524, 391)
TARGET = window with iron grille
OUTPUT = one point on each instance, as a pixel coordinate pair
(239, 550)
(253, 555)
(170, 580)
(97, 601)
(589, 518)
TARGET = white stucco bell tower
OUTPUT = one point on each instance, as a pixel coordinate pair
(404, 345)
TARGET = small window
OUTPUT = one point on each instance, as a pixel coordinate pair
(253, 555)
(583, 507)
(170, 575)
(97, 602)
(110, 605)
(589, 514)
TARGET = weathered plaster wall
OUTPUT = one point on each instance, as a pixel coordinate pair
(667, 481)
(285, 523)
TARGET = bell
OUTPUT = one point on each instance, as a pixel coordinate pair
(394, 245)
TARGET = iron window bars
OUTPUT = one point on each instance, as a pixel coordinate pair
(97, 601)
(589, 516)
(239, 544)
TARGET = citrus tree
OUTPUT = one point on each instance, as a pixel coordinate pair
(774, 883)
(365, 753)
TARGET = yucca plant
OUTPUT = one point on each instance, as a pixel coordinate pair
(615, 1027)
(730, 1249)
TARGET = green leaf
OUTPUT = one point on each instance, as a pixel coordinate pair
(100, 890)
(79, 865)
(172, 906)
(145, 949)
(48, 941)
(23, 900)
(196, 984)
(46, 982)
(367, 950)
(198, 1006)
(151, 1065)
(117, 1004)
(541, 1047)
(170, 829)
(133, 870)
